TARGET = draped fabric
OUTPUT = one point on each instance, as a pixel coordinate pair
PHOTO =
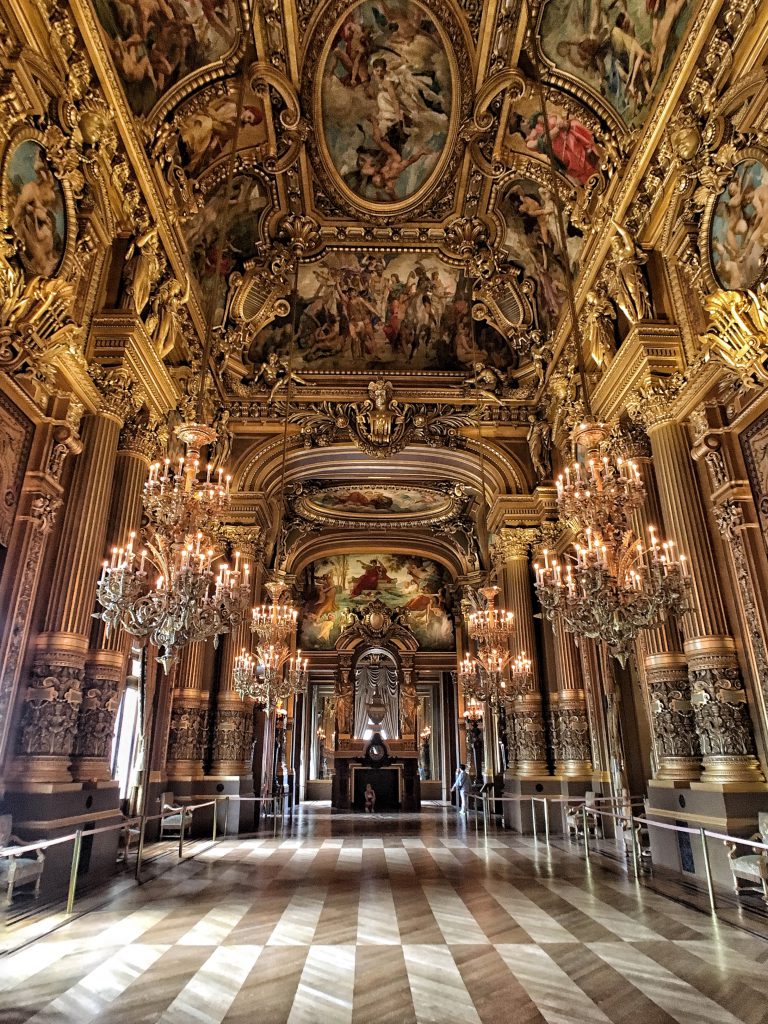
(381, 673)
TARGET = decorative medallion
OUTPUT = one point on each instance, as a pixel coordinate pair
(35, 207)
(620, 52)
(738, 227)
(389, 85)
(340, 587)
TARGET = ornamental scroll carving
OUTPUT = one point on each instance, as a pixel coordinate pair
(97, 718)
(232, 735)
(720, 708)
(526, 736)
(52, 704)
(673, 722)
(570, 735)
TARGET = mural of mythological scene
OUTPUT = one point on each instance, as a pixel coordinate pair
(377, 501)
(739, 230)
(36, 211)
(239, 207)
(209, 124)
(369, 311)
(386, 99)
(335, 587)
(154, 45)
(576, 153)
(532, 240)
(620, 48)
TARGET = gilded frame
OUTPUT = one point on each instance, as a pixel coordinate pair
(747, 154)
(66, 262)
(456, 45)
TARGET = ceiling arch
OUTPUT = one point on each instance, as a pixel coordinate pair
(339, 542)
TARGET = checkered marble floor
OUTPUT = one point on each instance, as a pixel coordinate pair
(388, 920)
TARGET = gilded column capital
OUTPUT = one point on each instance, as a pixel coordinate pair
(730, 519)
(653, 404)
(137, 438)
(516, 542)
(248, 540)
(118, 392)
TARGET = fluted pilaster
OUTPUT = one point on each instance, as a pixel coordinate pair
(189, 715)
(570, 722)
(49, 718)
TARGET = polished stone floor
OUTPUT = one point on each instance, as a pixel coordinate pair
(388, 920)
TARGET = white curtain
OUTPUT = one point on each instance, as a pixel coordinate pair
(368, 675)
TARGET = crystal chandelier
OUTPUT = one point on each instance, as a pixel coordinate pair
(265, 677)
(483, 675)
(168, 592)
(274, 624)
(521, 675)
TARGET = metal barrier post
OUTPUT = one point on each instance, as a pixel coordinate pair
(546, 820)
(181, 834)
(226, 813)
(533, 816)
(215, 813)
(707, 870)
(633, 839)
(73, 870)
(140, 854)
(585, 826)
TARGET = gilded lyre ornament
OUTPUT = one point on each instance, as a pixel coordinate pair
(738, 333)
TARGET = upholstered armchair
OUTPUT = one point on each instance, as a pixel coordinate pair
(574, 819)
(751, 868)
(172, 824)
(17, 870)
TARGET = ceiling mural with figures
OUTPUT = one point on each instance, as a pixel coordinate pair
(376, 219)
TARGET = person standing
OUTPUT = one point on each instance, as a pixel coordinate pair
(461, 786)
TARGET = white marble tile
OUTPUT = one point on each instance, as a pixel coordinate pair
(326, 987)
(376, 915)
(298, 921)
(437, 988)
(208, 995)
(100, 987)
(399, 864)
(454, 920)
(558, 999)
(531, 918)
(41, 956)
(613, 920)
(675, 996)
(215, 926)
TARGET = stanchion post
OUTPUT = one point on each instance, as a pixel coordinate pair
(633, 840)
(546, 820)
(215, 814)
(585, 826)
(707, 870)
(533, 816)
(73, 870)
(140, 854)
(226, 813)
(181, 835)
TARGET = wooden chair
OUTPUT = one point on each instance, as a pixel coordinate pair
(21, 870)
(172, 824)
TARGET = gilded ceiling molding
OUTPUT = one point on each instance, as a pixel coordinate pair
(338, 542)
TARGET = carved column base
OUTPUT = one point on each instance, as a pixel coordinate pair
(232, 738)
(104, 678)
(570, 735)
(720, 712)
(674, 730)
(48, 725)
(187, 736)
(528, 746)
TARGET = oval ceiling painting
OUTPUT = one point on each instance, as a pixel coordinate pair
(365, 502)
(387, 97)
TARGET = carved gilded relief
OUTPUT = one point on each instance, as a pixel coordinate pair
(15, 441)
(738, 227)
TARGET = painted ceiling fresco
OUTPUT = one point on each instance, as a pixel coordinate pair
(386, 99)
(336, 587)
(384, 122)
(364, 311)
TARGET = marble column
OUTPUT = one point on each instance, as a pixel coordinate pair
(48, 725)
(525, 718)
(232, 725)
(721, 716)
(106, 664)
(661, 659)
(570, 722)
